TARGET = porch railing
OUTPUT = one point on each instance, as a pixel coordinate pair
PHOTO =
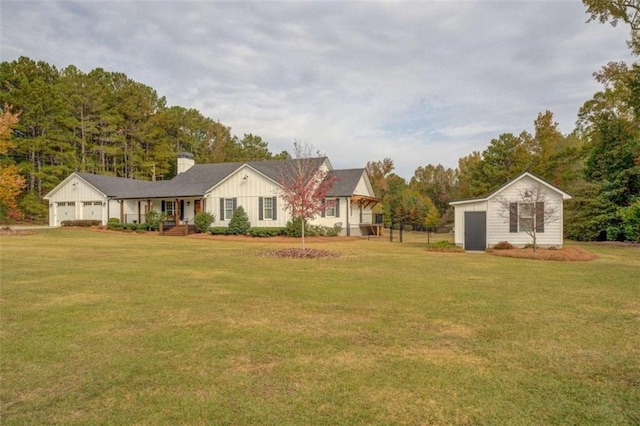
(371, 219)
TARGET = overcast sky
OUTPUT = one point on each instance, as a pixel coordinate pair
(417, 81)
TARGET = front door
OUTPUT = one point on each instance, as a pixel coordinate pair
(475, 231)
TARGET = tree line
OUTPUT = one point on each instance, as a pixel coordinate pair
(598, 163)
(56, 121)
(101, 122)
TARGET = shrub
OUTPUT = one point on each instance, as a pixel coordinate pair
(113, 220)
(239, 223)
(203, 221)
(153, 220)
(631, 221)
(503, 245)
(265, 232)
(80, 222)
(218, 230)
(294, 229)
(114, 226)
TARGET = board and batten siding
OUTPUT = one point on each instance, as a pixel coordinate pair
(75, 190)
(478, 206)
(247, 192)
(498, 226)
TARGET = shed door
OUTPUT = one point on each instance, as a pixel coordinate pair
(475, 230)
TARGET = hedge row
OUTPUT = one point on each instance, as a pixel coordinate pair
(84, 223)
(135, 227)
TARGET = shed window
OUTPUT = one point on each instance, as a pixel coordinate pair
(524, 216)
(526, 213)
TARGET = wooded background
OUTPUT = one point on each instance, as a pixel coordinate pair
(56, 121)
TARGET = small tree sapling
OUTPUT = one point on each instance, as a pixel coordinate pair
(304, 184)
(528, 211)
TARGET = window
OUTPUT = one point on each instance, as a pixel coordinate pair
(168, 208)
(227, 207)
(526, 214)
(523, 217)
(331, 207)
(267, 208)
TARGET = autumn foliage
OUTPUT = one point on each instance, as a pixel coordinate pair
(305, 184)
(11, 183)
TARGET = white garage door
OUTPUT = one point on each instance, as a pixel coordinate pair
(92, 210)
(66, 211)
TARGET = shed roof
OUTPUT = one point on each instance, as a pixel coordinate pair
(565, 195)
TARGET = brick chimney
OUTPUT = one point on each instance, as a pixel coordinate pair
(185, 161)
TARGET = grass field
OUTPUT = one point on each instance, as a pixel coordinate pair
(101, 328)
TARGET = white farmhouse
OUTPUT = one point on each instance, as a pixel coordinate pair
(510, 214)
(215, 188)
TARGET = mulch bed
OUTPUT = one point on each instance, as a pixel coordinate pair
(566, 254)
(299, 253)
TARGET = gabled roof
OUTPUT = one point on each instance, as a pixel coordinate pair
(565, 196)
(345, 183)
(114, 187)
(196, 181)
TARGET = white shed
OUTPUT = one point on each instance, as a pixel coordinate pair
(524, 208)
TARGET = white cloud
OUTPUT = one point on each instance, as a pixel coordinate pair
(419, 82)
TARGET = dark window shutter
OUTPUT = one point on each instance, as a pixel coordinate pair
(260, 207)
(274, 215)
(337, 207)
(235, 204)
(324, 206)
(540, 216)
(513, 217)
(163, 206)
(181, 209)
(221, 208)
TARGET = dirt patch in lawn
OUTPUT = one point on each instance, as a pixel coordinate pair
(566, 254)
(5, 232)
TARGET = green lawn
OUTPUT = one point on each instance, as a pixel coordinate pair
(102, 328)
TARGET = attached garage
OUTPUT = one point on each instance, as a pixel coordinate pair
(65, 210)
(92, 210)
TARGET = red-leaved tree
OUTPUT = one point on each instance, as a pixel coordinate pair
(304, 184)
